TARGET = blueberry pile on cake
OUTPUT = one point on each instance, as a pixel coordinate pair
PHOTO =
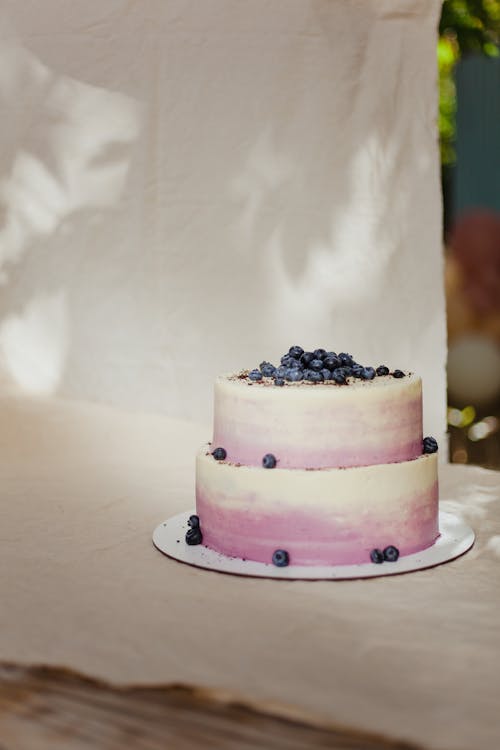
(318, 460)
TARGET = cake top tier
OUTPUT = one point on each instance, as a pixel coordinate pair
(341, 418)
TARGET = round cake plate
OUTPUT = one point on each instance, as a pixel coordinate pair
(455, 539)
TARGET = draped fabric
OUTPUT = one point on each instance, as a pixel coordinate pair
(191, 187)
(412, 656)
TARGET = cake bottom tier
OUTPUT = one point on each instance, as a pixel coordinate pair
(320, 516)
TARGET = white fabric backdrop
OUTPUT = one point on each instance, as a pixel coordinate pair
(190, 187)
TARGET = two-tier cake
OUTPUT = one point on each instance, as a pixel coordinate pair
(319, 461)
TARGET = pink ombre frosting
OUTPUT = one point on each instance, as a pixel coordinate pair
(307, 425)
(350, 473)
(323, 517)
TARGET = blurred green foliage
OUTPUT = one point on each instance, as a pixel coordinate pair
(466, 26)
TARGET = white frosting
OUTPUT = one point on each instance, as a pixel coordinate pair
(383, 486)
(319, 425)
(328, 515)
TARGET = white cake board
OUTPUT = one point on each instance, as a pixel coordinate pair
(169, 537)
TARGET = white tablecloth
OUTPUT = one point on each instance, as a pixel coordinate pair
(81, 489)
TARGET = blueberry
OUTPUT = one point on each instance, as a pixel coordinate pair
(347, 371)
(287, 360)
(377, 556)
(307, 358)
(319, 354)
(294, 375)
(368, 373)
(327, 374)
(357, 371)
(267, 369)
(194, 536)
(316, 364)
(331, 354)
(296, 352)
(391, 553)
(346, 359)
(255, 375)
(382, 370)
(269, 461)
(398, 374)
(430, 445)
(313, 376)
(338, 376)
(279, 381)
(280, 371)
(332, 362)
(281, 558)
(219, 454)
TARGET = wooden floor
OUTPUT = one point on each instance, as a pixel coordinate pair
(49, 709)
